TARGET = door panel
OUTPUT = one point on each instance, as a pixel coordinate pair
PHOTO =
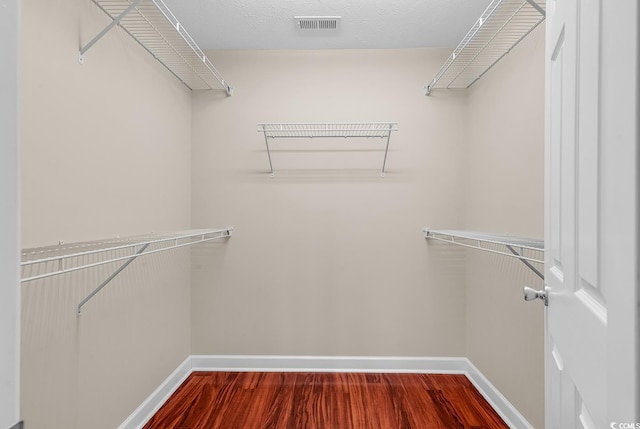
(589, 138)
(585, 291)
(576, 328)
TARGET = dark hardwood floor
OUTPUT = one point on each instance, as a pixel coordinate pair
(273, 400)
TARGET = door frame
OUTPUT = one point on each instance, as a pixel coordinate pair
(9, 214)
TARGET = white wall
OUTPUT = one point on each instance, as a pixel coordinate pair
(105, 152)
(327, 257)
(9, 214)
(505, 194)
(106, 144)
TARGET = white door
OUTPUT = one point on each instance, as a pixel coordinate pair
(591, 218)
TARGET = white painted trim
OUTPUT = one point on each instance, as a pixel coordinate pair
(503, 407)
(152, 404)
(444, 365)
(436, 365)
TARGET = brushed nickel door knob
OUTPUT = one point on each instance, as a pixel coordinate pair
(531, 294)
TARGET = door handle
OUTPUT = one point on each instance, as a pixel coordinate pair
(531, 294)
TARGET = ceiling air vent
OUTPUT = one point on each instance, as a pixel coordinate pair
(317, 24)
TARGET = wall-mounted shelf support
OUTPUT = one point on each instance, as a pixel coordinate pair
(386, 151)
(101, 34)
(66, 258)
(111, 277)
(156, 29)
(329, 130)
(537, 7)
(500, 28)
(524, 261)
(492, 243)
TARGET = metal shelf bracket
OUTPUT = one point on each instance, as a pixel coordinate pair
(538, 7)
(111, 277)
(524, 261)
(100, 35)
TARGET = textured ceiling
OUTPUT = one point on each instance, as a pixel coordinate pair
(366, 24)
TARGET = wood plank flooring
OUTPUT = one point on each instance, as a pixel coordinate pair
(275, 400)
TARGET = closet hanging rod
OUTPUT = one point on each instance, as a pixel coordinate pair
(156, 29)
(62, 259)
(501, 27)
(483, 241)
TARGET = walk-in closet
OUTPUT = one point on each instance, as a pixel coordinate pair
(207, 195)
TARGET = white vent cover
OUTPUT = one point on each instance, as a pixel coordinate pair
(317, 24)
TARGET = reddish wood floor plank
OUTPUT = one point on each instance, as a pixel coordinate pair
(263, 400)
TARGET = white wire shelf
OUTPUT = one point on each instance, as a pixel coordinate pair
(527, 250)
(156, 29)
(42, 262)
(500, 28)
(328, 130)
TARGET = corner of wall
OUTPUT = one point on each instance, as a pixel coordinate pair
(505, 194)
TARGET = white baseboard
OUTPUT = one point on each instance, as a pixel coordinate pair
(152, 404)
(503, 407)
(438, 365)
(443, 365)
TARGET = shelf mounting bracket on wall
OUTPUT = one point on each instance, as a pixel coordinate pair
(487, 242)
(537, 7)
(111, 277)
(328, 130)
(101, 34)
(156, 29)
(524, 261)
